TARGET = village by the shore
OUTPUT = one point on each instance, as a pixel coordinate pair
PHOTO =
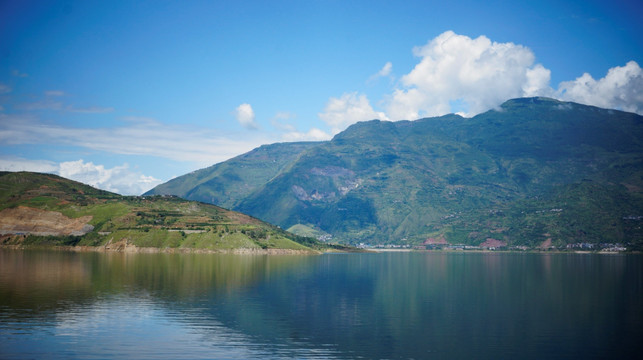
(497, 245)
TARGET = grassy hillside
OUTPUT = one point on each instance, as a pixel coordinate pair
(40, 209)
(532, 171)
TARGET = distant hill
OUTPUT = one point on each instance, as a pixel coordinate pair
(45, 209)
(533, 171)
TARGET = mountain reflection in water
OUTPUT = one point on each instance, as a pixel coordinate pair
(402, 305)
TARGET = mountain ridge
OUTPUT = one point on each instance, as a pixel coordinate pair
(202, 185)
(406, 181)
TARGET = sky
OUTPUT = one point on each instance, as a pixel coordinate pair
(125, 95)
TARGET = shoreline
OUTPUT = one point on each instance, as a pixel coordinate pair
(390, 250)
(486, 251)
(532, 251)
(132, 249)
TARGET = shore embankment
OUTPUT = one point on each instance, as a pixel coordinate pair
(132, 249)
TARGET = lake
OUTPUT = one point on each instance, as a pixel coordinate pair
(413, 305)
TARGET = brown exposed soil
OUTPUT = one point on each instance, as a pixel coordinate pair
(545, 244)
(435, 241)
(491, 242)
(122, 245)
(26, 220)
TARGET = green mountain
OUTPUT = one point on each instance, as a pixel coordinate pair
(226, 183)
(45, 209)
(533, 171)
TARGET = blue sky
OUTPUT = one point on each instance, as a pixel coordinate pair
(123, 95)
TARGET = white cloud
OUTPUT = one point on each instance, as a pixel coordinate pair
(313, 134)
(290, 133)
(384, 72)
(284, 115)
(537, 82)
(621, 88)
(458, 74)
(246, 116)
(181, 143)
(142, 120)
(350, 108)
(280, 121)
(477, 74)
(10, 163)
(119, 179)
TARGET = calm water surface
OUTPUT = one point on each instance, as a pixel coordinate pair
(336, 306)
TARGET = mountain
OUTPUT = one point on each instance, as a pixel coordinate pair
(532, 172)
(45, 209)
(224, 184)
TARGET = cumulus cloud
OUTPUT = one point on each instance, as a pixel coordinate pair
(537, 83)
(476, 74)
(350, 108)
(246, 116)
(119, 179)
(621, 88)
(463, 75)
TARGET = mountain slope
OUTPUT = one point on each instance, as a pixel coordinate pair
(224, 184)
(532, 171)
(45, 209)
